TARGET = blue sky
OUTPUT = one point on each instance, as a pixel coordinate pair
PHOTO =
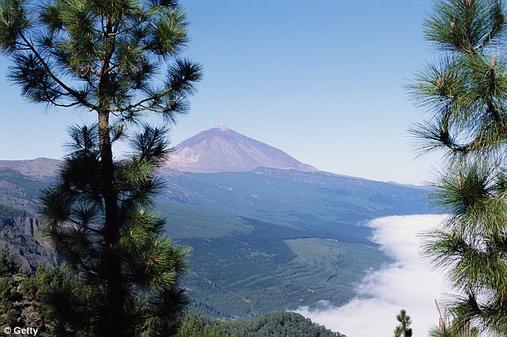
(322, 80)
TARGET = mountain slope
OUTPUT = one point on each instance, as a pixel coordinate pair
(19, 224)
(275, 240)
(223, 150)
(39, 167)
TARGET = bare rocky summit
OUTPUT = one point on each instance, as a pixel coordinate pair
(224, 150)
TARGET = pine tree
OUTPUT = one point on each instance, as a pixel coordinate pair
(403, 329)
(8, 264)
(466, 92)
(118, 59)
(446, 327)
(54, 300)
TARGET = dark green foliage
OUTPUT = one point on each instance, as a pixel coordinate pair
(52, 299)
(8, 264)
(273, 325)
(403, 329)
(56, 301)
(28, 300)
(66, 305)
(9, 313)
(59, 304)
(467, 93)
(151, 266)
(196, 325)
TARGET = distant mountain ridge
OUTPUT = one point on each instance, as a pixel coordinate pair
(215, 150)
(221, 149)
(38, 167)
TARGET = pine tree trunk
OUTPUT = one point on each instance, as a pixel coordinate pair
(113, 325)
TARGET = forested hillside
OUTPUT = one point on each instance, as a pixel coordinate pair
(24, 298)
(274, 325)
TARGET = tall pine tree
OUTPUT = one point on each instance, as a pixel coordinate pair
(118, 59)
(466, 91)
(403, 329)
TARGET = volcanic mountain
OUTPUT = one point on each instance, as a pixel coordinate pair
(223, 150)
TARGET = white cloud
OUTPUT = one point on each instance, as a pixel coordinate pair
(409, 284)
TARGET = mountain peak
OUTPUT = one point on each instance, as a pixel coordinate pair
(221, 149)
(222, 127)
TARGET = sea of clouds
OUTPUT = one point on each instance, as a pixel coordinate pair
(408, 283)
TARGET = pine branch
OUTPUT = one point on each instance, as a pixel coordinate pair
(65, 87)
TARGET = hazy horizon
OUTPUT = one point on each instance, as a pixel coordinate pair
(322, 82)
(222, 126)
